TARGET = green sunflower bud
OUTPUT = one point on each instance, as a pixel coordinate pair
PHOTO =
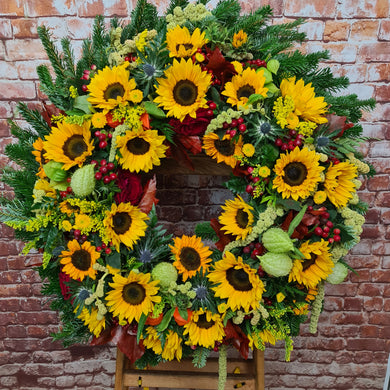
(166, 273)
(276, 264)
(277, 240)
(83, 181)
(54, 171)
(340, 272)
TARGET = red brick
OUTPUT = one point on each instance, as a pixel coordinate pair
(363, 9)
(19, 290)
(25, 49)
(379, 318)
(5, 28)
(382, 93)
(358, 262)
(17, 331)
(384, 333)
(381, 276)
(365, 344)
(276, 5)
(344, 290)
(314, 29)
(380, 149)
(37, 318)
(16, 263)
(170, 213)
(352, 304)
(17, 89)
(103, 7)
(36, 331)
(374, 52)
(373, 232)
(10, 277)
(339, 52)
(363, 276)
(25, 28)
(318, 9)
(11, 8)
(363, 357)
(336, 30)
(79, 28)
(333, 303)
(364, 30)
(369, 331)
(347, 318)
(373, 304)
(386, 262)
(50, 8)
(378, 72)
(384, 30)
(191, 213)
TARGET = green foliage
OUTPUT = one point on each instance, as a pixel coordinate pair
(200, 356)
(148, 359)
(227, 12)
(144, 16)
(100, 41)
(176, 3)
(205, 231)
(254, 21)
(236, 184)
(34, 118)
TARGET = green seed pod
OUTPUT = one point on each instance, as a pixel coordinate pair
(276, 264)
(83, 181)
(277, 240)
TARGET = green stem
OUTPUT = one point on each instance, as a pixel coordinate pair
(222, 367)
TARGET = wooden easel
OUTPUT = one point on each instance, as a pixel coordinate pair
(179, 375)
(183, 375)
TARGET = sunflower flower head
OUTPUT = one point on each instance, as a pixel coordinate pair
(239, 38)
(39, 153)
(237, 282)
(183, 44)
(226, 150)
(183, 89)
(297, 173)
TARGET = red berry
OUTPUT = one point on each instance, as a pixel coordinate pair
(103, 162)
(298, 142)
(292, 133)
(63, 194)
(102, 137)
(84, 237)
(326, 229)
(337, 238)
(103, 170)
(234, 123)
(104, 246)
(97, 133)
(310, 208)
(261, 272)
(93, 67)
(250, 170)
(336, 231)
(326, 215)
(69, 190)
(324, 235)
(225, 125)
(284, 147)
(99, 248)
(247, 250)
(329, 224)
(94, 162)
(256, 179)
(68, 179)
(249, 189)
(240, 120)
(258, 245)
(127, 58)
(102, 144)
(110, 166)
(98, 175)
(109, 135)
(77, 233)
(242, 127)
(233, 133)
(318, 231)
(113, 176)
(84, 88)
(108, 251)
(210, 113)
(212, 106)
(106, 179)
(335, 162)
(331, 240)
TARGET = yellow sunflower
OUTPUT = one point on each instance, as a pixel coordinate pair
(224, 150)
(172, 345)
(190, 256)
(141, 149)
(39, 153)
(125, 224)
(205, 329)
(239, 38)
(111, 87)
(183, 90)
(339, 185)
(316, 266)
(69, 144)
(237, 218)
(132, 295)
(91, 320)
(244, 85)
(297, 173)
(82, 221)
(237, 282)
(43, 188)
(68, 209)
(182, 44)
(307, 105)
(78, 260)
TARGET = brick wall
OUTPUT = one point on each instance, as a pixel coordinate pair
(353, 341)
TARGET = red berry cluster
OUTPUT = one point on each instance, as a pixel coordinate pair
(293, 140)
(325, 228)
(254, 249)
(253, 181)
(103, 247)
(68, 191)
(130, 58)
(102, 137)
(76, 233)
(236, 124)
(87, 74)
(104, 170)
(257, 63)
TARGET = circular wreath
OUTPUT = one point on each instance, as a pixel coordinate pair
(212, 82)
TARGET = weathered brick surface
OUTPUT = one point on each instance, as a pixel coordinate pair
(352, 344)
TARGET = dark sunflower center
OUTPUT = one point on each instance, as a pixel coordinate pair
(224, 147)
(122, 222)
(295, 173)
(42, 156)
(242, 218)
(245, 91)
(203, 323)
(189, 258)
(74, 146)
(187, 46)
(81, 259)
(308, 262)
(238, 279)
(185, 92)
(133, 293)
(113, 91)
(138, 146)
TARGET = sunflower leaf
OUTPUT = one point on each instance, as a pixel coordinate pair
(82, 104)
(166, 320)
(141, 324)
(114, 260)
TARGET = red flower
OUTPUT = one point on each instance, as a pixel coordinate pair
(192, 126)
(65, 290)
(130, 186)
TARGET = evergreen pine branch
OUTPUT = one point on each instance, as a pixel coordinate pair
(87, 58)
(51, 51)
(200, 356)
(324, 82)
(252, 22)
(33, 118)
(13, 210)
(227, 12)
(100, 42)
(68, 58)
(144, 16)
(22, 182)
(205, 231)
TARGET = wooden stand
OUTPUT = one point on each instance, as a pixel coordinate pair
(183, 375)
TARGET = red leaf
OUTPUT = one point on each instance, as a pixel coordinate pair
(48, 111)
(149, 197)
(179, 153)
(235, 336)
(191, 143)
(105, 336)
(126, 341)
(221, 68)
(224, 239)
